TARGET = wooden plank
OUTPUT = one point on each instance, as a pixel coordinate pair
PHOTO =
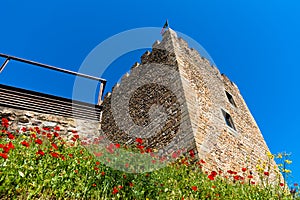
(49, 104)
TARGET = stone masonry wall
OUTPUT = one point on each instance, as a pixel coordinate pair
(223, 147)
(28, 119)
(204, 92)
(158, 89)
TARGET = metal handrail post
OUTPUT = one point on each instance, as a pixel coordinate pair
(102, 81)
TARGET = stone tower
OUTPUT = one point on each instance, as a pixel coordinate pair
(218, 124)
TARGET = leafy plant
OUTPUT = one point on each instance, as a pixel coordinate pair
(38, 164)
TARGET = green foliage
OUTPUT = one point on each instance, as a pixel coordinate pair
(38, 164)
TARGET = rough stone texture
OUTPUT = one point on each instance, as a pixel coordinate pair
(28, 119)
(204, 88)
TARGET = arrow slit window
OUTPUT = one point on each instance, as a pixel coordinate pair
(230, 98)
(228, 120)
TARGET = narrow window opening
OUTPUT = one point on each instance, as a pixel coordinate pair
(228, 120)
(230, 98)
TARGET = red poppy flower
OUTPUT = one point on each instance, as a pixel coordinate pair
(55, 134)
(139, 140)
(33, 135)
(57, 128)
(24, 129)
(266, 173)
(115, 190)
(37, 129)
(131, 184)
(213, 173)
(148, 150)
(174, 155)
(192, 153)
(96, 168)
(40, 152)
(152, 154)
(76, 136)
(53, 154)
(250, 176)
(46, 128)
(11, 136)
(102, 173)
(126, 165)
(70, 155)
(211, 177)
(141, 147)
(94, 185)
(4, 120)
(4, 123)
(281, 184)
(237, 177)
(252, 182)
(117, 146)
(62, 157)
(4, 155)
(244, 169)
(97, 163)
(162, 159)
(213, 186)
(49, 135)
(202, 161)
(195, 188)
(25, 144)
(54, 146)
(10, 145)
(74, 131)
(38, 141)
(7, 147)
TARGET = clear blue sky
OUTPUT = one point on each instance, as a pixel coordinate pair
(255, 43)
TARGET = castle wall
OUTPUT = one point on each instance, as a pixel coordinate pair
(28, 119)
(158, 88)
(221, 146)
(204, 90)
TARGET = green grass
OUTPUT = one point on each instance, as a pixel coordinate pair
(67, 170)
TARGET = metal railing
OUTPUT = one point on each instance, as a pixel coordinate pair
(101, 81)
(18, 98)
